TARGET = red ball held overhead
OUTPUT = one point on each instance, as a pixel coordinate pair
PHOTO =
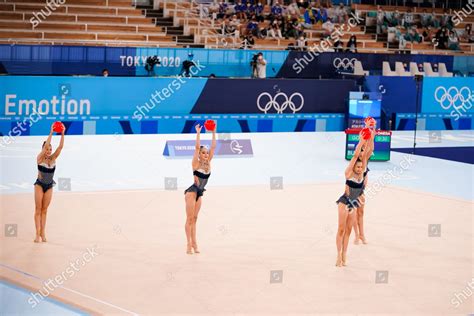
(365, 133)
(210, 125)
(58, 127)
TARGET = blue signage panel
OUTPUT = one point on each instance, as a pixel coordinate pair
(453, 96)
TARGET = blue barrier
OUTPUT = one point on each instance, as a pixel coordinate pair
(100, 105)
(331, 65)
(77, 60)
(122, 61)
(220, 62)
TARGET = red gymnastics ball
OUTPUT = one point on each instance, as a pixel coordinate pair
(58, 127)
(210, 125)
(365, 133)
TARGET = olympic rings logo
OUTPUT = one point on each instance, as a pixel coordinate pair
(280, 107)
(454, 97)
(344, 63)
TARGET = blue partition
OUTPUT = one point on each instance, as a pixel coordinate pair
(332, 65)
(123, 61)
(99, 105)
(86, 60)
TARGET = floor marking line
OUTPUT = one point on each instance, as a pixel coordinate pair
(70, 290)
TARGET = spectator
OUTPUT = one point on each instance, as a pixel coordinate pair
(214, 9)
(229, 28)
(467, 36)
(400, 36)
(275, 31)
(408, 19)
(252, 27)
(428, 34)
(441, 39)
(381, 21)
(259, 12)
(248, 42)
(240, 10)
(105, 73)
(396, 19)
(352, 44)
(301, 43)
(426, 19)
(222, 10)
(277, 11)
(292, 29)
(338, 46)
(413, 35)
(292, 10)
(304, 22)
(453, 41)
(446, 20)
(434, 20)
(341, 14)
(310, 15)
(322, 14)
(328, 28)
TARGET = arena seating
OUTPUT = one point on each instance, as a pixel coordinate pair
(80, 22)
(173, 24)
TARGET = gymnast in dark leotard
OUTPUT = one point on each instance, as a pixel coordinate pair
(349, 202)
(193, 195)
(46, 161)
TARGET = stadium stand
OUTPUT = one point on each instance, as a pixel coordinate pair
(203, 24)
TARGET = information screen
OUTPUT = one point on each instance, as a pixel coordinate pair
(382, 144)
(360, 109)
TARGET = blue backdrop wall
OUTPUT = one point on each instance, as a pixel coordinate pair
(121, 61)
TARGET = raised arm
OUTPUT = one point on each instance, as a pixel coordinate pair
(58, 150)
(40, 156)
(198, 147)
(369, 148)
(350, 167)
(213, 144)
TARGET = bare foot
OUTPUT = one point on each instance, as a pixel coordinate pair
(195, 247)
(339, 260)
(37, 239)
(189, 250)
(356, 240)
(344, 259)
(43, 237)
(364, 241)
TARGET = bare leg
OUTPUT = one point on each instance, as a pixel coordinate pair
(347, 234)
(197, 207)
(356, 227)
(341, 227)
(38, 206)
(47, 196)
(360, 219)
(190, 199)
